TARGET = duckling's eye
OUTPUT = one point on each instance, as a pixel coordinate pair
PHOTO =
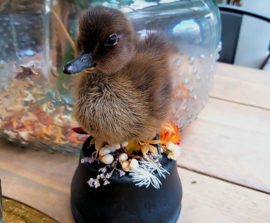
(112, 40)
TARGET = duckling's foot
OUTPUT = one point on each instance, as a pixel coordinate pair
(99, 143)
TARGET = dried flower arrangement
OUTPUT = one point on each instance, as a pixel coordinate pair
(141, 159)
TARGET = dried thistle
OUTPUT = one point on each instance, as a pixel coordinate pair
(145, 173)
(103, 175)
(88, 160)
(103, 169)
(121, 172)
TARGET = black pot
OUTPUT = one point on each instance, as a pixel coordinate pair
(121, 200)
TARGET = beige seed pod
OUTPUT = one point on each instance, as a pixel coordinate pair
(123, 157)
(125, 166)
(130, 165)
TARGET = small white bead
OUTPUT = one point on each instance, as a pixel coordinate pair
(115, 145)
(134, 164)
(107, 159)
(103, 151)
(110, 148)
(124, 144)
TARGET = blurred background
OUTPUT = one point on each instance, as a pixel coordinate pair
(245, 33)
(37, 39)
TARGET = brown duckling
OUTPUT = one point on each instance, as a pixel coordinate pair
(124, 88)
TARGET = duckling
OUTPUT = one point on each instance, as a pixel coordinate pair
(124, 86)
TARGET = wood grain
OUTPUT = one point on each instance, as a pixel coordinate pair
(243, 73)
(209, 200)
(242, 85)
(230, 141)
(38, 178)
(42, 180)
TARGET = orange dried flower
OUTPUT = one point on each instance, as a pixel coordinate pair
(170, 133)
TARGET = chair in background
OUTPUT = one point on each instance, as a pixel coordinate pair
(240, 45)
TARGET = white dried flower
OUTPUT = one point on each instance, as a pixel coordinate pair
(174, 151)
(144, 175)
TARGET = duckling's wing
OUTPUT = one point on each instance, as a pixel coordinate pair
(150, 72)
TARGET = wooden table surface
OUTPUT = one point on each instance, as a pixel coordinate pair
(224, 166)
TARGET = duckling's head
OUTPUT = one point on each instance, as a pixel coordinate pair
(105, 42)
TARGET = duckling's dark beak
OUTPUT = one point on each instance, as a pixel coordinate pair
(81, 62)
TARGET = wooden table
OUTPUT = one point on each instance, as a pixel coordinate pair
(224, 166)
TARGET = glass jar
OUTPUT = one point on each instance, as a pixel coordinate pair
(37, 39)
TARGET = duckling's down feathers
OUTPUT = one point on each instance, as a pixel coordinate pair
(132, 103)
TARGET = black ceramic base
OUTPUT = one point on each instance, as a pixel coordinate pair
(122, 201)
(79, 219)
